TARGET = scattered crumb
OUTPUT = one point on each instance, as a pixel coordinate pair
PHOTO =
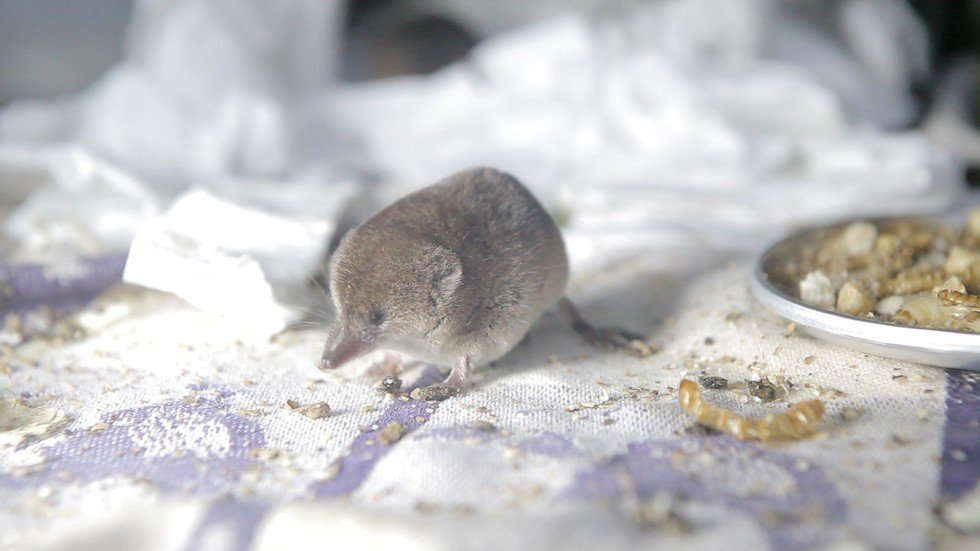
(264, 454)
(657, 512)
(763, 390)
(98, 428)
(20, 422)
(713, 382)
(28, 470)
(391, 385)
(605, 402)
(830, 393)
(640, 349)
(391, 433)
(332, 472)
(484, 426)
(899, 440)
(317, 410)
(434, 393)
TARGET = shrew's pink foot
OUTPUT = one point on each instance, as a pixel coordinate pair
(457, 377)
(452, 386)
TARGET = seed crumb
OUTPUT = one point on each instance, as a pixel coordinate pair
(391, 433)
(640, 349)
(900, 440)
(762, 390)
(98, 428)
(713, 382)
(391, 385)
(434, 393)
(264, 454)
(484, 426)
(318, 410)
(732, 317)
(332, 472)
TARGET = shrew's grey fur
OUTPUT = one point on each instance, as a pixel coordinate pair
(455, 273)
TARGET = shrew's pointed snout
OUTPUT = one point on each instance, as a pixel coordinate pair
(343, 349)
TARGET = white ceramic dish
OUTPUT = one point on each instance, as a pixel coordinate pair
(912, 344)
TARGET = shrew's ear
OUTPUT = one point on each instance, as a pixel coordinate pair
(446, 274)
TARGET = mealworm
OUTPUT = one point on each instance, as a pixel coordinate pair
(798, 422)
(912, 282)
(956, 298)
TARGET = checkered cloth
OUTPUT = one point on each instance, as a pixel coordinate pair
(178, 435)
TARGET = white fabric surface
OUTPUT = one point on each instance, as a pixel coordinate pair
(665, 139)
(169, 382)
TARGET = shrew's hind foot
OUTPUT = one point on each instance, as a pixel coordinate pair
(606, 338)
(452, 386)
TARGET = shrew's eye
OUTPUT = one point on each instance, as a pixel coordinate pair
(378, 316)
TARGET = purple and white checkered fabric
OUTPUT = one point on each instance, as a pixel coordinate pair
(180, 438)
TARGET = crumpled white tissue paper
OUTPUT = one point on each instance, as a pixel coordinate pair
(85, 205)
(202, 99)
(645, 145)
(229, 258)
(201, 94)
(659, 131)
